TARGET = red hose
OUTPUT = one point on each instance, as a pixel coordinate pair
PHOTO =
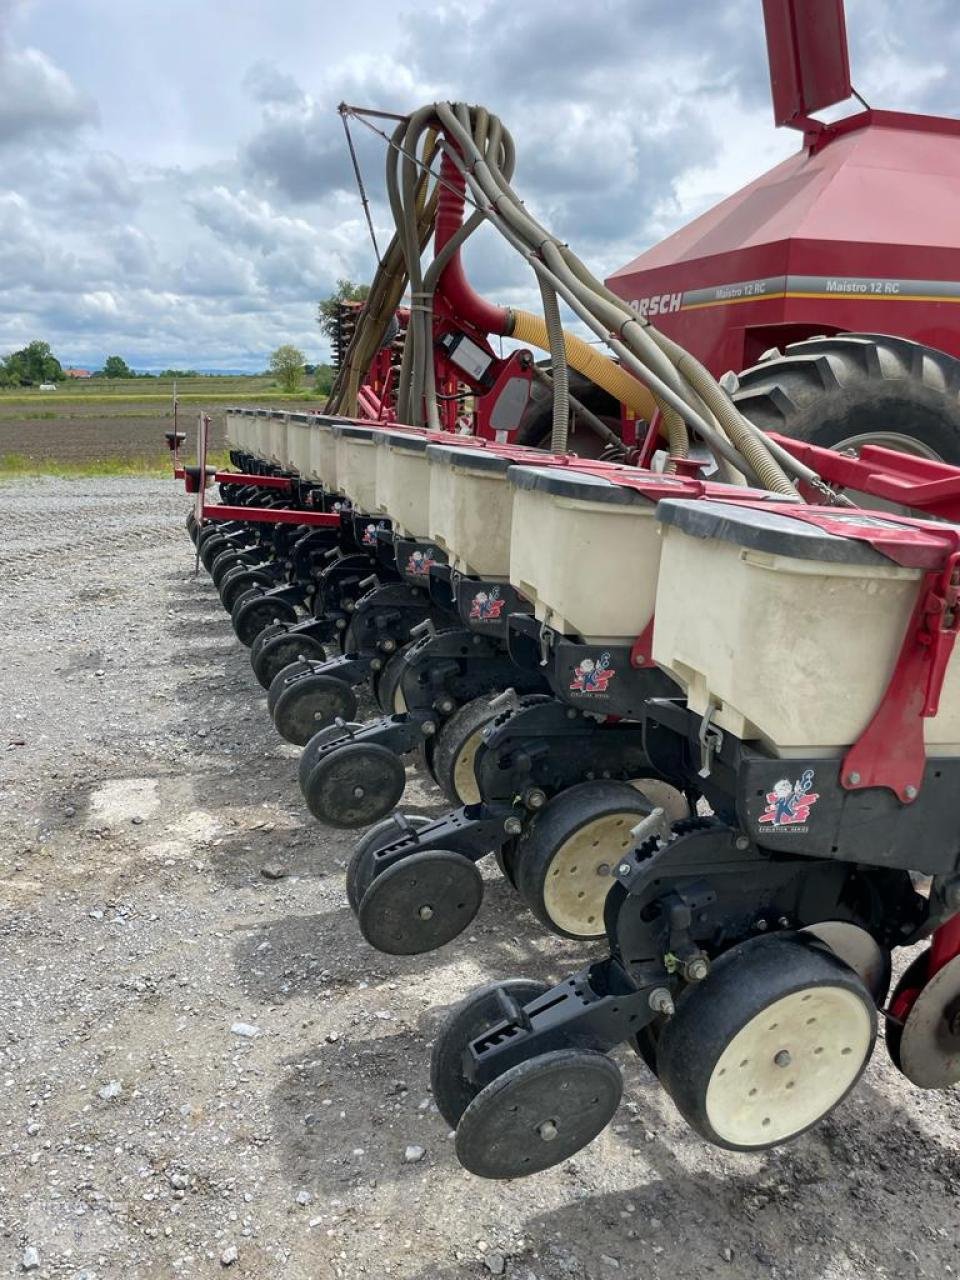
(453, 284)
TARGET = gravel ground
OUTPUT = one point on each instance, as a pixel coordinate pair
(205, 1070)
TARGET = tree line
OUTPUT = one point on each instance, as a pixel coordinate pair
(35, 363)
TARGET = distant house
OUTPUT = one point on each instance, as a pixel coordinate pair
(78, 373)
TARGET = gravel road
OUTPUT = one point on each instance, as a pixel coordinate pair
(204, 1070)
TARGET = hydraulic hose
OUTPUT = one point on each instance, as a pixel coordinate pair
(653, 371)
(560, 432)
(751, 446)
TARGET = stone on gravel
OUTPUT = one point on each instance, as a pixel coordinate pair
(245, 1029)
(112, 1089)
(273, 871)
(414, 1154)
(229, 1256)
(495, 1262)
(31, 1258)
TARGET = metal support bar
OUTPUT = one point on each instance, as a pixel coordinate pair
(271, 515)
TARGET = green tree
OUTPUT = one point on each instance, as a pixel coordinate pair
(328, 309)
(117, 367)
(286, 365)
(32, 364)
(323, 379)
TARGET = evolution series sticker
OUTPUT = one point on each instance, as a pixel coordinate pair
(592, 675)
(419, 562)
(370, 533)
(789, 803)
(487, 606)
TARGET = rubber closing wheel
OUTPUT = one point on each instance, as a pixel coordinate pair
(310, 704)
(249, 619)
(240, 580)
(360, 866)
(355, 785)
(226, 560)
(279, 651)
(456, 750)
(539, 1113)
(211, 548)
(420, 903)
(768, 1044)
(289, 675)
(311, 752)
(563, 865)
(481, 1010)
(276, 629)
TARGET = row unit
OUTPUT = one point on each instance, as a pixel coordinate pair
(781, 623)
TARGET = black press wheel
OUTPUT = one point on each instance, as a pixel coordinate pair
(360, 867)
(229, 558)
(213, 547)
(538, 1113)
(356, 785)
(277, 629)
(211, 531)
(853, 389)
(279, 650)
(563, 865)
(420, 903)
(312, 703)
(311, 752)
(474, 1015)
(455, 750)
(235, 583)
(768, 1044)
(299, 669)
(250, 617)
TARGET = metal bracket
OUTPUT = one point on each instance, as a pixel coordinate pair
(710, 739)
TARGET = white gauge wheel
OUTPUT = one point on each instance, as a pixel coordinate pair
(788, 1066)
(663, 796)
(464, 778)
(857, 948)
(579, 876)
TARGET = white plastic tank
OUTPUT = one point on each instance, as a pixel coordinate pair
(356, 453)
(585, 551)
(403, 480)
(323, 452)
(788, 632)
(470, 508)
(298, 443)
(247, 430)
(262, 435)
(277, 437)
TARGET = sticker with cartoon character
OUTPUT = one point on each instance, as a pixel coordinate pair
(789, 803)
(419, 562)
(487, 606)
(370, 534)
(592, 675)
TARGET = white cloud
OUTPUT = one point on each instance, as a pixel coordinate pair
(175, 187)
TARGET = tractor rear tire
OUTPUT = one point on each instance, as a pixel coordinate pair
(853, 389)
(536, 424)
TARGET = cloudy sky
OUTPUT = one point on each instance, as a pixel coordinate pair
(174, 186)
